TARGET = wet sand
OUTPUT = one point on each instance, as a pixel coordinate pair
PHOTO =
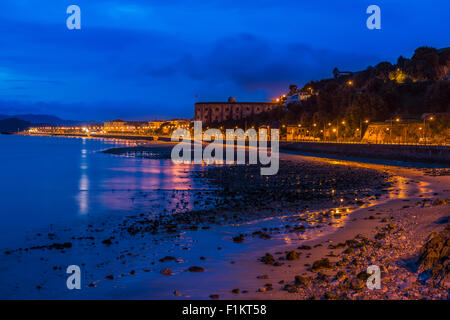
(412, 220)
(407, 211)
(159, 266)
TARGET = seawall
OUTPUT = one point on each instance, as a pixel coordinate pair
(409, 153)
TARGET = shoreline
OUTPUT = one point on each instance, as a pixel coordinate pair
(255, 280)
(399, 255)
(236, 265)
(424, 155)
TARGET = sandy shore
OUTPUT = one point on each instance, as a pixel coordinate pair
(388, 232)
(224, 260)
(412, 221)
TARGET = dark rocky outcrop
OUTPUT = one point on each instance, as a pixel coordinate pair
(434, 261)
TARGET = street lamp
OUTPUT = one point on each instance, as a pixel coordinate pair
(360, 128)
(431, 118)
(392, 127)
(337, 126)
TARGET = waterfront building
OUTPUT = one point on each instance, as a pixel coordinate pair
(216, 112)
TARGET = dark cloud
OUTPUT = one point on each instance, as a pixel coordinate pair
(252, 62)
(150, 57)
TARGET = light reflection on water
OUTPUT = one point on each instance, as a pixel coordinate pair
(83, 195)
(64, 180)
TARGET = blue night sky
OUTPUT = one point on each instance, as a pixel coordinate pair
(136, 59)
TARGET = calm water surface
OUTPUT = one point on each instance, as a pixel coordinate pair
(65, 181)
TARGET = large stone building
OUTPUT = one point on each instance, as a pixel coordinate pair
(213, 112)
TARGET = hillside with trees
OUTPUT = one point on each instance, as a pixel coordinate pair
(411, 87)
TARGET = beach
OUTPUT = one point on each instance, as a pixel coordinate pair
(402, 225)
(218, 241)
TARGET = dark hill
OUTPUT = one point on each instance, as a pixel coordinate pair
(40, 119)
(12, 125)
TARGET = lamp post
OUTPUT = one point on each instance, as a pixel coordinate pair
(396, 120)
(329, 131)
(390, 131)
(337, 130)
(431, 118)
(360, 128)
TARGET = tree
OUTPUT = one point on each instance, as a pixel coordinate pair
(293, 89)
(424, 64)
(336, 73)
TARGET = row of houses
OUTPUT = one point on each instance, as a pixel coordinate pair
(164, 127)
(116, 127)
